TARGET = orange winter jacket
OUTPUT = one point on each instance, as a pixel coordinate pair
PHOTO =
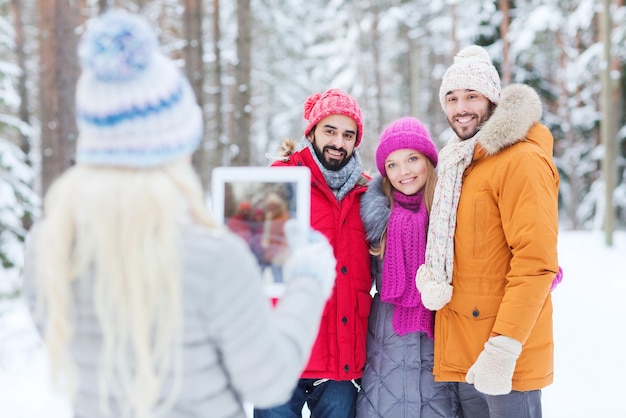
(505, 247)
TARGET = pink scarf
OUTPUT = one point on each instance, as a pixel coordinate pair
(404, 252)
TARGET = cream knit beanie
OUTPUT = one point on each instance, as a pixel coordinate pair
(472, 70)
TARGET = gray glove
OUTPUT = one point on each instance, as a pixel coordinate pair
(310, 255)
(492, 373)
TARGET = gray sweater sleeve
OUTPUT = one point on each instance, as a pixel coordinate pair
(236, 346)
(263, 349)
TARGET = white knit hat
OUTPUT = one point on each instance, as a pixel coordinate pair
(472, 70)
(134, 107)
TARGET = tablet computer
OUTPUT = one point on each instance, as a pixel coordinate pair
(255, 203)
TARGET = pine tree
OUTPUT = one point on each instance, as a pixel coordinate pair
(18, 202)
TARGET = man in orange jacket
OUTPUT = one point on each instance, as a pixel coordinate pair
(492, 246)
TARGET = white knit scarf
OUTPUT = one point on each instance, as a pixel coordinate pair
(434, 277)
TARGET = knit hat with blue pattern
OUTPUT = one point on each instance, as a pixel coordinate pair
(134, 107)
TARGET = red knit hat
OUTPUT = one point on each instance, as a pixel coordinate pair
(332, 102)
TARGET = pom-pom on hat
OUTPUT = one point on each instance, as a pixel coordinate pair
(134, 108)
(405, 133)
(332, 102)
(472, 70)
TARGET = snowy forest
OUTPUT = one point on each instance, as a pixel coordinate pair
(252, 64)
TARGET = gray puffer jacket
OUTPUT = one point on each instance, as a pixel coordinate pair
(397, 381)
(236, 347)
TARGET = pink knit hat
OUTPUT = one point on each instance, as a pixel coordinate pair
(472, 70)
(332, 102)
(405, 133)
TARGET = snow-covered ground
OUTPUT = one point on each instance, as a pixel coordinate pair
(24, 388)
(589, 317)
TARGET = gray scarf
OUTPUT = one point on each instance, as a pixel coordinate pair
(343, 180)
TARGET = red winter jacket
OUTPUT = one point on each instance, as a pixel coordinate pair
(339, 351)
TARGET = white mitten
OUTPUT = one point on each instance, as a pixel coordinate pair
(310, 255)
(435, 295)
(492, 373)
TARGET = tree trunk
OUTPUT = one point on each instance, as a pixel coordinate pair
(504, 36)
(216, 128)
(194, 70)
(378, 77)
(20, 42)
(58, 72)
(413, 72)
(607, 127)
(455, 39)
(243, 112)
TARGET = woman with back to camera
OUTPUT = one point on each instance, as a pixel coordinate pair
(147, 308)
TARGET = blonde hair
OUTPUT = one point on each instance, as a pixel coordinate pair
(122, 226)
(378, 248)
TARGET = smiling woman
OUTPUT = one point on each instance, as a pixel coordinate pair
(407, 170)
(395, 214)
(407, 147)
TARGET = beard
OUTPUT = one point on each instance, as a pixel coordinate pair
(465, 133)
(331, 164)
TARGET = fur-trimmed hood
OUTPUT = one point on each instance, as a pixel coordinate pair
(519, 109)
(375, 210)
(289, 147)
(286, 148)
